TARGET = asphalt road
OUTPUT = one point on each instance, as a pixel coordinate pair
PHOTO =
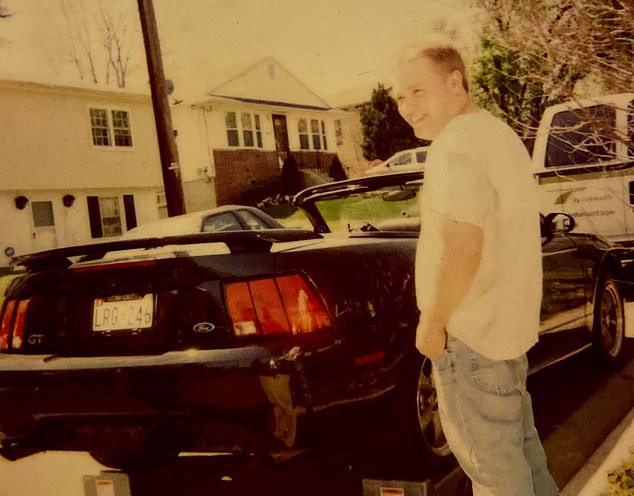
(577, 403)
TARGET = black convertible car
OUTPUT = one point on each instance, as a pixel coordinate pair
(248, 341)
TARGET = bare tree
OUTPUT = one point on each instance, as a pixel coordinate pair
(99, 39)
(540, 52)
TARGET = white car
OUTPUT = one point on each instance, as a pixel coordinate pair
(406, 160)
(224, 218)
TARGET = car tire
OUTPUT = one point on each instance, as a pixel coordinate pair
(416, 418)
(608, 331)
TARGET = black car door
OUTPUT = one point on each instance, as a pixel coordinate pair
(564, 311)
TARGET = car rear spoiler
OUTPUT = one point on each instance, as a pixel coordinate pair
(236, 241)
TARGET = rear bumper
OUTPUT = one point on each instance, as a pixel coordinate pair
(199, 400)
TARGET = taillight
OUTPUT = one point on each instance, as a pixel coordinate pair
(276, 305)
(18, 326)
(7, 321)
(12, 327)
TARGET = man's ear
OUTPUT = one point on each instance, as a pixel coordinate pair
(455, 80)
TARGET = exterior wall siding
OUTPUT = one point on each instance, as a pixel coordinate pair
(199, 195)
(48, 153)
(71, 223)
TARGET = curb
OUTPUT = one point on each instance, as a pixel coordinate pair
(591, 479)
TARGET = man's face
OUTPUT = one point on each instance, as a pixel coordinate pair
(427, 99)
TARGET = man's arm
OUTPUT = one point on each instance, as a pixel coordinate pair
(460, 260)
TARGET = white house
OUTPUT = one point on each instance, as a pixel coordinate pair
(76, 165)
(233, 142)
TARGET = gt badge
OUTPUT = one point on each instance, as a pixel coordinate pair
(204, 327)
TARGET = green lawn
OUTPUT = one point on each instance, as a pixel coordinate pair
(354, 212)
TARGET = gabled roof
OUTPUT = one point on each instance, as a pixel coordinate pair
(269, 82)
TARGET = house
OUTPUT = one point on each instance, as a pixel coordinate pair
(349, 130)
(77, 165)
(233, 142)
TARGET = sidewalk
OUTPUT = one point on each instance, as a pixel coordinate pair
(617, 448)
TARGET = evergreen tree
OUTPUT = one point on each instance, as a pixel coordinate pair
(385, 132)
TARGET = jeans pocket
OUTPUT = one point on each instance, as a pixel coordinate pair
(501, 377)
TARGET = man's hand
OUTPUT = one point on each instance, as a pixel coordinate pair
(431, 340)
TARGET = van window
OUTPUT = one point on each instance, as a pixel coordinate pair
(581, 136)
(421, 157)
(402, 159)
(630, 129)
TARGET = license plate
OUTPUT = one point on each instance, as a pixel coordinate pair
(117, 313)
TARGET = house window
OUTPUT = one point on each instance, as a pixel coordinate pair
(100, 128)
(121, 128)
(247, 129)
(323, 135)
(108, 124)
(258, 131)
(313, 138)
(302, 129)
(314, 129)
(43, 214)
(110, 216)
(104, 213)
(338, 132)
(231, 122)
(161, 203)
(248, 126)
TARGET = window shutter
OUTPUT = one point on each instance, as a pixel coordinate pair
(95, 217)
(130, 211)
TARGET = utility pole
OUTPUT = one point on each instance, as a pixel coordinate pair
(167, 145)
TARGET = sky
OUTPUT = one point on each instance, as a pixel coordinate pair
(335, 47)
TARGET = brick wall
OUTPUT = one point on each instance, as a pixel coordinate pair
(242, 174)
(238, 171)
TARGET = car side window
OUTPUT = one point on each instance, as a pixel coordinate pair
(251, 220)
(404, 159)
(221, 222)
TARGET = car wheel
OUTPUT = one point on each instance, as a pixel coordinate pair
(416, 415)
(609, 323)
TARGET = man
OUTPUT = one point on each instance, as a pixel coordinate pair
(478, 274)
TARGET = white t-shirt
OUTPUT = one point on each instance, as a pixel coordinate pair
(478, 172)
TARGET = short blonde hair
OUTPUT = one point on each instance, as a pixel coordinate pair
(441, 52)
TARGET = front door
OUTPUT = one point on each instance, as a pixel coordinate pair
(281, 137)
(44, 234)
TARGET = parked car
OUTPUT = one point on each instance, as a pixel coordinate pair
(249, 341)
(404, 161)
(224, 218)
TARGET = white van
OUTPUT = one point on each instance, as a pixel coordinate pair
(406, 160)
(584, 165)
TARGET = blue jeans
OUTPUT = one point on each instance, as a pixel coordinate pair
(487, 417)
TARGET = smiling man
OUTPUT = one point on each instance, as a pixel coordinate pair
(478, 274)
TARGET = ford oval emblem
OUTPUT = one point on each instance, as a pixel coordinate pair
(204, 327)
